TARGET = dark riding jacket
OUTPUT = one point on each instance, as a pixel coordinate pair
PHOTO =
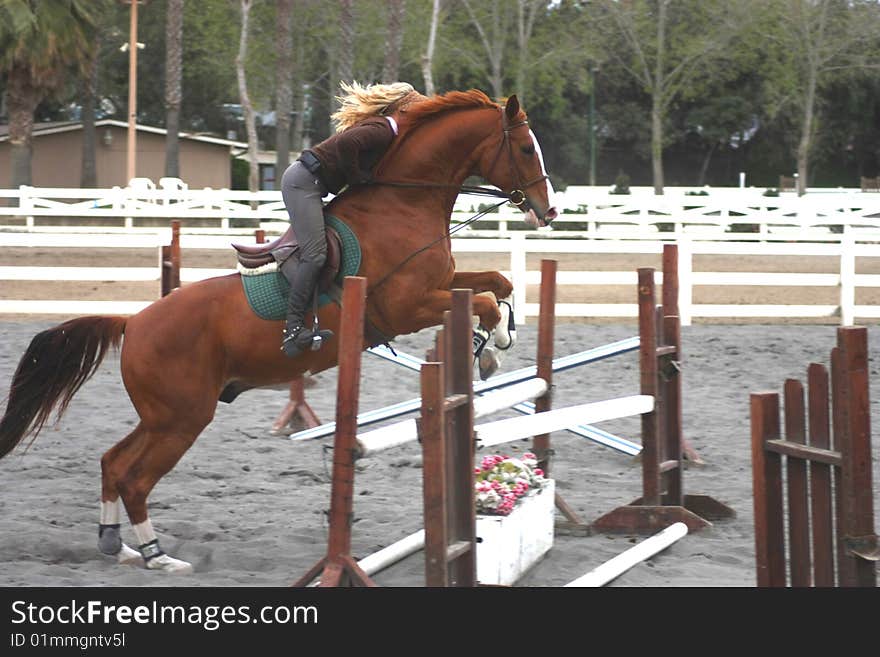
(349, 157)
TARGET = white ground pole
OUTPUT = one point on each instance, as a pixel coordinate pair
(393, 553)
(559, 365)
(615, 567)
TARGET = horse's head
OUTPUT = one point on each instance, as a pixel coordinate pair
(517, 167)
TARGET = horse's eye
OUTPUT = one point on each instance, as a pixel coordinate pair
(528, 150)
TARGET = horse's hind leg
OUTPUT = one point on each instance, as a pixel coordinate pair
(131, 470)
(109, 536)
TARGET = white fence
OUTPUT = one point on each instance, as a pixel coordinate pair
(842, 223)
(722, 214)
(518, 247)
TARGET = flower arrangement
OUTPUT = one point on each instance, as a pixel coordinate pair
(501, 481)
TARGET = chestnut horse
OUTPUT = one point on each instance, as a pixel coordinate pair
(182, 352)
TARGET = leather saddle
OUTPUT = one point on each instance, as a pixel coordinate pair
(251, 256)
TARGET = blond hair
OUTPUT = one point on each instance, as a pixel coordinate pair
(359, 102)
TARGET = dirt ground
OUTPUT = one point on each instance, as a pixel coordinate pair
(248, 508)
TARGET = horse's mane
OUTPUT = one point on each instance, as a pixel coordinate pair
(420, 111)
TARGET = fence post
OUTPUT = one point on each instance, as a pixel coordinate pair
(847, 279)
(25, 203)
(685, 282)
(518, 276)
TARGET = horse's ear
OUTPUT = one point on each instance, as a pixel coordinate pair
(511, 109)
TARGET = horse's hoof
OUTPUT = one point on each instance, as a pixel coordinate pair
(129, 557)
(170, 565)
(489, 362)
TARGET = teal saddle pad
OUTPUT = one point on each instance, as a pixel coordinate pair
(267, 293)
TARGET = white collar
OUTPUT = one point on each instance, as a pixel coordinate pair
(393, 123)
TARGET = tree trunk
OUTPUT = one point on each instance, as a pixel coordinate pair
(704, 168)
(173, 89)
(345, 66)
(393, 41)
(284, 89)
(803, 149)
(657, 146)
(657, 101)
(89, 173)
(22, 99)
(428, 57)
(249, 118)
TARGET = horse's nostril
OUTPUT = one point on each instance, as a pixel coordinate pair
(551, 215)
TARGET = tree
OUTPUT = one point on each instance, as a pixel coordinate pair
(815, 41)
(173, 89)
(247, 107)
(40, 42)
(526, 12)
(492, 26)
(667, 49)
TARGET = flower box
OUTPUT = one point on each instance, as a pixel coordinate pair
(507, 546)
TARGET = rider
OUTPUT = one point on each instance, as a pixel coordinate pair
(364, 131)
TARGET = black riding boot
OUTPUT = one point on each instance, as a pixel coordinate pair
(297, 337)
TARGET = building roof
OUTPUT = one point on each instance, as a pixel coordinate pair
(53, 127)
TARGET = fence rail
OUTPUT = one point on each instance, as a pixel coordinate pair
(716, 214)
(517, 247)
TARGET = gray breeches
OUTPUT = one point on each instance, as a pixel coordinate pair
(303, 193)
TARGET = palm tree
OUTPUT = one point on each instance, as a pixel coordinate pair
(41, 41)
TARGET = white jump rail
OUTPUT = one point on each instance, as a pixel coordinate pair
(618, 565)
(560, 364)
(589, 432)
(407, 431)
(518, 428)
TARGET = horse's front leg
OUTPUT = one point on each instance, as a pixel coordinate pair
(503, 330)
(483, 281)
(435, 303)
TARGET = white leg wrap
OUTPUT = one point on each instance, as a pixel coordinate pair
(149, 545)
(143, 532)
(110, 512)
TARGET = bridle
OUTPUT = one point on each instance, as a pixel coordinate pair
(516, 196)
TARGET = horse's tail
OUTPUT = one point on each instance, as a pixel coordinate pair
(57, 363)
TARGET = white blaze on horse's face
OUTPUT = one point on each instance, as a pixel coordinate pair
(532, 219)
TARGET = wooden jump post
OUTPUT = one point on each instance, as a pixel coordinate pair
(338, 567)
(169, 261)
(663, 501)
(831, 539)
